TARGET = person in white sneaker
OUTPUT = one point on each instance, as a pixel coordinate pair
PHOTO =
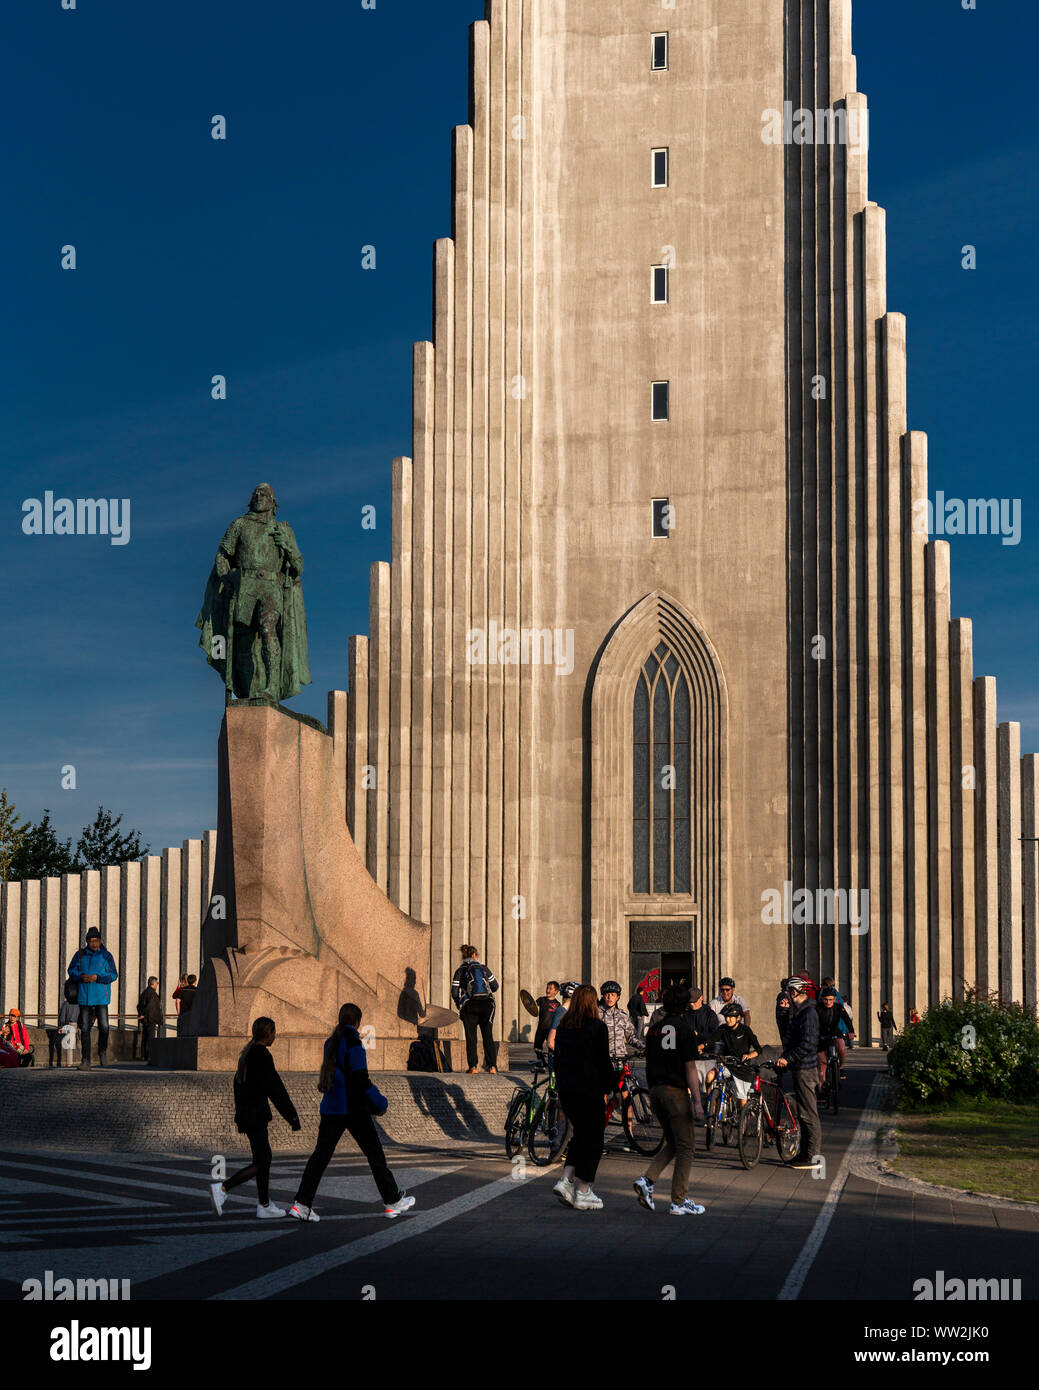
(584, 1076)
(256, 1083)
(671, 1050)
(348, 1101)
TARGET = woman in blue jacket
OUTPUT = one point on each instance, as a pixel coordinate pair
(93, 971)
(348, 1102)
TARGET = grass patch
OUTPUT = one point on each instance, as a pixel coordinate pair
(977, 1145)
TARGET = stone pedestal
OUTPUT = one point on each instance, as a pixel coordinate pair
(296, 926)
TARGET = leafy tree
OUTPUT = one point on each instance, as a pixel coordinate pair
(102, 844)
(40, 854)
(12, 833)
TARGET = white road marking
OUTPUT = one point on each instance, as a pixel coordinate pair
(861, 1139)
(403, 1228)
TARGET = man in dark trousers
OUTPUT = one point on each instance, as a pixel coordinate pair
(93, 972)
(800, 1054)
(149, 1014)
(472, 989)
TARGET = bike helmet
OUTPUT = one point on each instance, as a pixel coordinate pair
(796, 985)
(732, 1011)
(727, 983)
(570, 988)
(610, 987)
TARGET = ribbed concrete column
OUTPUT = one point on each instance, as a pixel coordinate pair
(151, 926)
(842, 60)
(961, 779)
(51, 971)
(208, 867)
(400, 688)
(1008, 755)
(111, 931)
(10, 943)
(914, 970)
(379, 723)
(89, 904)
(986, 862)
(131, 938)
(422, 448)
(28, 995)
(357, 748)
(938, 762)
(338, 725)
(1030, 878)
(191, 911)
(71, 939)
(170, 966)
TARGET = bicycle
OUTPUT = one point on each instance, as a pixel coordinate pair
(549, 1129)
(722, 1107)
(832, 1084)
(760, 1123)
(643, 1129)
(520, 1119)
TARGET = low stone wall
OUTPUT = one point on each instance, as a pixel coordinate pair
(137, 1111)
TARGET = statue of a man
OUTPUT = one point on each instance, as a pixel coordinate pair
(254, 630)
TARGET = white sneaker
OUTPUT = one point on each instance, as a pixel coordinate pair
(688, 1208)
(564, 1190)
(301, 1213)
(217, 1196)
(402, 1204)
(644, 1191)
(269, 1211)
(587, 1201)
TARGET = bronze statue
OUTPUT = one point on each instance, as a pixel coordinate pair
(254, 630)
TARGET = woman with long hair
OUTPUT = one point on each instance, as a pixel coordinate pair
(584, 1077)
(256, 1084)
(348, 1102)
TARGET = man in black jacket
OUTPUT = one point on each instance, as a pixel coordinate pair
(149, 1014)
(800, 1054)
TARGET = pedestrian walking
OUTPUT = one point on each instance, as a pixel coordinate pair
(149, 1014)
(473, 989)
(886, 1019)
(185, 997)
(638, 1011)
(348, 1102)
(671, 1051)
(800, 1054)
(256, 1085)
(584, 1078)
(92, 970)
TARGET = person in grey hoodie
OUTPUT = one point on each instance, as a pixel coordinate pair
(93, 972)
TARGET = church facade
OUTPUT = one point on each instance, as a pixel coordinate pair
(662, 672)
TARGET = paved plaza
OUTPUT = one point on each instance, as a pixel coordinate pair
(482, 1229)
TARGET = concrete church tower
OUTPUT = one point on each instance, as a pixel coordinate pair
(659, 645)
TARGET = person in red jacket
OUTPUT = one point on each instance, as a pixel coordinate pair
(19, 1039)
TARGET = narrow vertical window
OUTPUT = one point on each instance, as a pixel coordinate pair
(661, 400)
(660, 52)
(661, 777)
(662, 518)
(661, 284)
(661, 168)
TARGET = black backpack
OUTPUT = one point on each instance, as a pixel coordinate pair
(424, 1054)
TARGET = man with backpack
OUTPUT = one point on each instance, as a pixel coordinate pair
(92, 970)
(472, 990)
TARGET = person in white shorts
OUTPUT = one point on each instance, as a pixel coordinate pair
(742, 1047)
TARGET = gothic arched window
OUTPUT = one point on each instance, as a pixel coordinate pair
(661, 797)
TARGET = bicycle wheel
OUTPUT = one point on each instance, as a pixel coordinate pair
(549, 1131)
(711, 1112)
(749, 1137)
(516, 1123)
(788, 1130)
(730, 1117)
(640, 1122)
(833, 1081)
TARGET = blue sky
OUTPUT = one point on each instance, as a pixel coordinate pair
(197, 257)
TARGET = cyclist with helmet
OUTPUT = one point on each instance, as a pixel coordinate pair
(740, 1048)
(800, 1046)
(622, 1033)
(832, 1015)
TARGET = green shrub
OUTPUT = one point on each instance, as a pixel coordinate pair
(973, 1048)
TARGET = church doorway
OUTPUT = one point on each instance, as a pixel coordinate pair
(660, 954)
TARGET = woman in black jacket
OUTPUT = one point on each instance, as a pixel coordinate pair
(256, 1083)
(584, 1076)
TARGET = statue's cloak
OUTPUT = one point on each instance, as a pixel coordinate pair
(217, 619)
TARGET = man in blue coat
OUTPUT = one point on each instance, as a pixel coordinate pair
(93, 971)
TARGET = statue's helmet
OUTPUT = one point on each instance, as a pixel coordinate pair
(263, 487)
